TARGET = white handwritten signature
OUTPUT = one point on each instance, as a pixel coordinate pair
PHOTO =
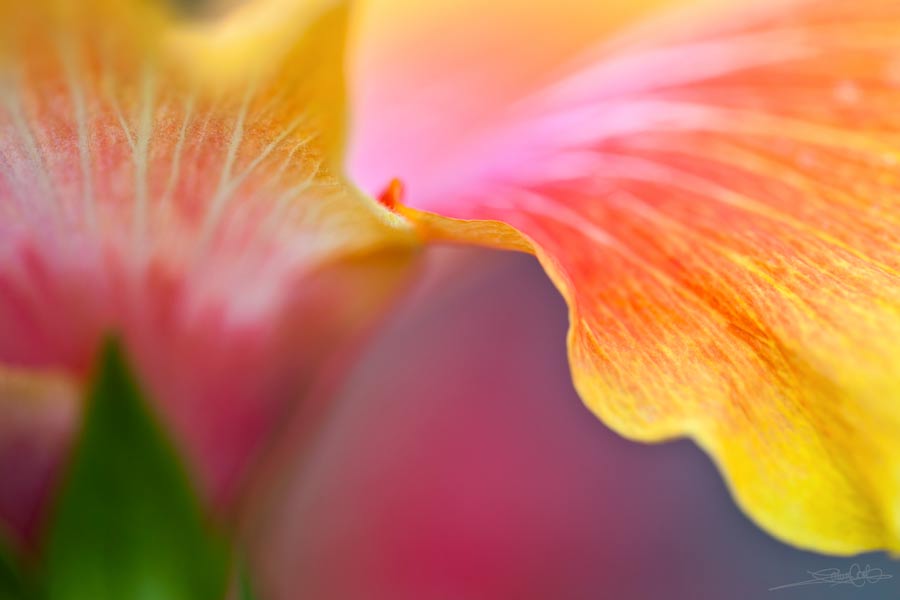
(854, 576)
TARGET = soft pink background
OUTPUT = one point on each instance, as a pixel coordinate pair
(458, 463)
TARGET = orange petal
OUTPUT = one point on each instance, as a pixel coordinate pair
(717, 196)
(197, 214)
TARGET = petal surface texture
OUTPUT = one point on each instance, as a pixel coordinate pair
(188, 204)
(716, 193)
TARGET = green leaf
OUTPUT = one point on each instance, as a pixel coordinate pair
(128, 524)
(12, 579)
(245, 586)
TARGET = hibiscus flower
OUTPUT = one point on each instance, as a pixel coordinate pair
(711, 188)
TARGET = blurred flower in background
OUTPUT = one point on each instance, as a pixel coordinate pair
(178, 191)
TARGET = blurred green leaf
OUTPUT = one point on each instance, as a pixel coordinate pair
(12, 579)
(128, 524)
(246, 587)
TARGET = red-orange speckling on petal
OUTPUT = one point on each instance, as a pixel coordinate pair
(717, 196)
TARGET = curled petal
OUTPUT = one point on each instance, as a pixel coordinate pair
(717, 196)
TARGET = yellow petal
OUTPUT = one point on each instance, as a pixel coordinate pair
(294, 48)
(718, 200)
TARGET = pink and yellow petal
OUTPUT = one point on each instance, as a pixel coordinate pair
(201, 217)
(717, 198)
(427, 76)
